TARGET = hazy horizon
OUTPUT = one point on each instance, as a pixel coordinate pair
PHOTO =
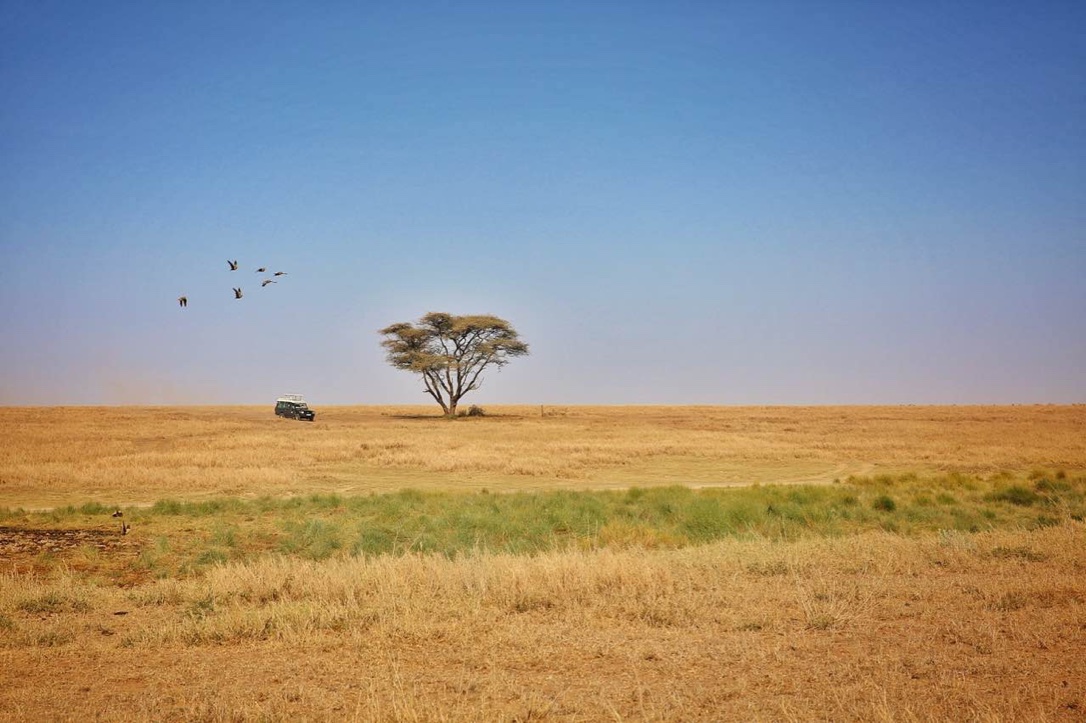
(740, 204)
(549, 408)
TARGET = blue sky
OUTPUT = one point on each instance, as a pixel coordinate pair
(673, 202)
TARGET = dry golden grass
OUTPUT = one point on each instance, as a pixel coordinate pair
(987, 627)
(67, 455)
(950, 626)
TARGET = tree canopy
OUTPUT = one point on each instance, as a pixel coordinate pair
(451, 352)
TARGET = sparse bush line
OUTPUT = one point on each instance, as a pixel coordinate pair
(320, 527)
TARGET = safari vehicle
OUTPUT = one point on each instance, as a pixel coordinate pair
(293, 406)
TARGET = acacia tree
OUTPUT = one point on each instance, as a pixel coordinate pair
(450, 352)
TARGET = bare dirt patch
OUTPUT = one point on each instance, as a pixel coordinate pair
(26, 549)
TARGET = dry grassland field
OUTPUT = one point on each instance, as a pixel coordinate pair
(544, 563)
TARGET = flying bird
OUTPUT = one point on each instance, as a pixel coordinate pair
(280, 273)
(237, 293)
(262, 269)
(265, 282)
(233, 265)
(183, 301)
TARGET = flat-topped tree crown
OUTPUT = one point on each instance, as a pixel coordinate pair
(450, 352)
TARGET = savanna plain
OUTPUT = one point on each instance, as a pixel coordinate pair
(544, 563)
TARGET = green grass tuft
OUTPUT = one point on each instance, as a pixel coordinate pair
(1015, 495)
(884, 503)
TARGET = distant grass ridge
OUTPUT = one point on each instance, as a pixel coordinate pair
(137, 455)
(184, 537)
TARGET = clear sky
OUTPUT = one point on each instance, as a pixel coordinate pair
(673, 202)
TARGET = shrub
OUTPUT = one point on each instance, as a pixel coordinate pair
(1015, 495)
(884, 503)
(1047, 485)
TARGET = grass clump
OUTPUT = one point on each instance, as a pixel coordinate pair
(1018, 552)
(884, 503)
(1015, 495)
(314, 539)
(51, 602)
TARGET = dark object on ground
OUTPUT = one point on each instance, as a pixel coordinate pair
(293, 406)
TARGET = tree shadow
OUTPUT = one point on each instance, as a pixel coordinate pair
(458, 418)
